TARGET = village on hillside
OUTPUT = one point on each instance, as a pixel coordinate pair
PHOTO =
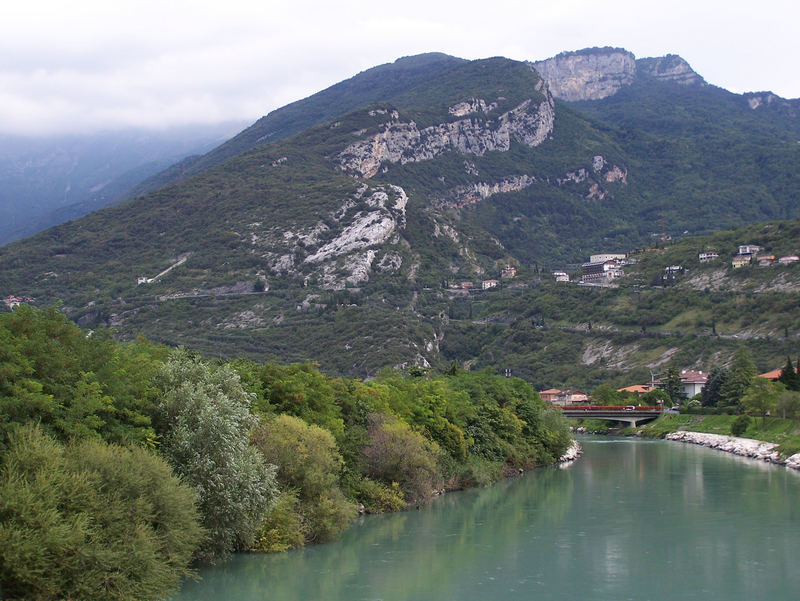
(691, 384)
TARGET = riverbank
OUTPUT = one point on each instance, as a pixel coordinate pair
(744, 447)
(574, 451)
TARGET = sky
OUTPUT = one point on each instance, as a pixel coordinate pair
(86, 66)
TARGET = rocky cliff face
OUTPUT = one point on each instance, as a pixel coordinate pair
(759, 100)
(669, 68)
(529, 123)
(343, 247)
(588, 74)
(597, 73)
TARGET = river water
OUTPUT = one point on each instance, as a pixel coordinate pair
(630, 519)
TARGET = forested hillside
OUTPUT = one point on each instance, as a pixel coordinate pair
(366, 240)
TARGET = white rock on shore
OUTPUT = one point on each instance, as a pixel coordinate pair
(574, 451)
(745, 447)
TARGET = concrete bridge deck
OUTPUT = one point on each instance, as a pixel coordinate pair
(623, 413)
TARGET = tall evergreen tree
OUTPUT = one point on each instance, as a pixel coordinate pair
(789, 376)
(743, 370)
(711, 394)
(672, 385)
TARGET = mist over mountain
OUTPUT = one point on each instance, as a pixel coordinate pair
(48, 180)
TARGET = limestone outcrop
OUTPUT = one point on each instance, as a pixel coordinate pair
(669, 68)
(589, 74)
(345, 246)
(529, 123)
(596, 73)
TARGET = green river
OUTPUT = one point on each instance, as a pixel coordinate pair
(630, 519)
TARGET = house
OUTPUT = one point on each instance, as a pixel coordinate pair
(740, 261)
(671, 272)
(561, 276)
(601, 272)
(693, 382)
(771, 375)
(12, 301)
(508, 272)
(574, 397)
(749, 249)
(765, 260)
(788, 259)
(550, 395)
(637, 388)
(487, 284)
(466, 285)
(562, 398)
(707, 256)
(603, 257)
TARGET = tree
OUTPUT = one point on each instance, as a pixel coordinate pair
(742, 372)
(605, 395)
(711, 394)
(396, 453)
(91, 521)
(789, 404)
(671, 384)
(761, 398)
(740, 424)
(309, 465)
(789, 376)
(202, 416)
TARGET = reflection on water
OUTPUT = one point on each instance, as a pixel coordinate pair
(629, 520)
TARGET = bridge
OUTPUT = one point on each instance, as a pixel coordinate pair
(630, 414)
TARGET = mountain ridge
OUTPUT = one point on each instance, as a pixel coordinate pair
(361, 237)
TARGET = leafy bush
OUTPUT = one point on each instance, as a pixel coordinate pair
(310, 465)
(396, 453)
(740, 425)
(282, 527)
(377, 497)
(91, 521)
(203, 418)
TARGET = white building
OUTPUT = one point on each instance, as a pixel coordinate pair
(749, 249)
(603, 257)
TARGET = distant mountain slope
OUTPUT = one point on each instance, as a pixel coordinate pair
(47, 180)
(372, 85)
(378, 237)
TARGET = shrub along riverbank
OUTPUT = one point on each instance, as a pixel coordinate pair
(121, 465)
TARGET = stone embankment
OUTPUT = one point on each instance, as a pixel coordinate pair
(745, 447)
(574, 451)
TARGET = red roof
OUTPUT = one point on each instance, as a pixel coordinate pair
(640, 388)
(772, 375)
(693, 377)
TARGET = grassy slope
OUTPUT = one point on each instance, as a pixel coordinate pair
(785, 432)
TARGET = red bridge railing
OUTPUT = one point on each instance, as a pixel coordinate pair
(648, 408)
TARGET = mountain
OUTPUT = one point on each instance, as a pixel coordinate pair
(597, 73)
(47, 180)
(347, 239)
(370, 86)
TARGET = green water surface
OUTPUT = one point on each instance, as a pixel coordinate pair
(631, 519)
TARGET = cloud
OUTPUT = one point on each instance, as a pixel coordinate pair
(93, 65)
